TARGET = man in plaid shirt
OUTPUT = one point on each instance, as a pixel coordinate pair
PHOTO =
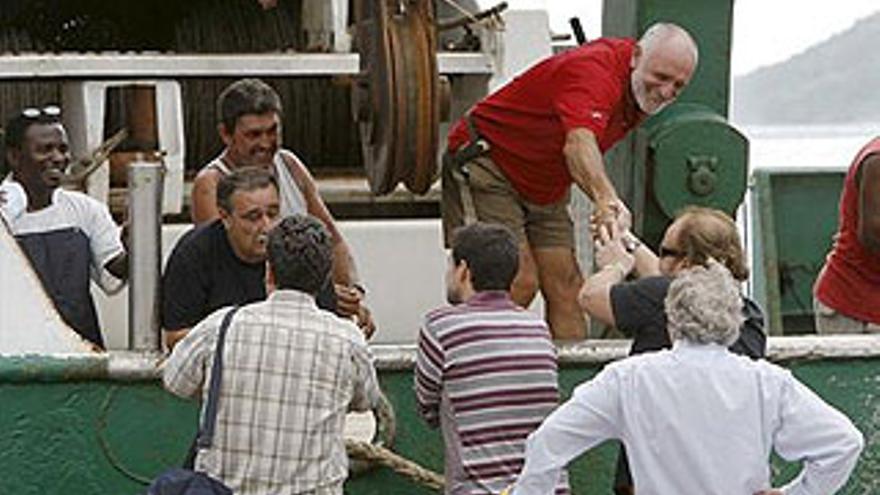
(291, 372)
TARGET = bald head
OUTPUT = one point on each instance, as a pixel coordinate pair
(663, 63)
(672, 38)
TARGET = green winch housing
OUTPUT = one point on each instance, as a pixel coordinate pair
(689, 154)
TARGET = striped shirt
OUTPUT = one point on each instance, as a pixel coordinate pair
(290, 373)
(486, 374)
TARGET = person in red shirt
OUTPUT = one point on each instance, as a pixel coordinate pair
(847, 291)
(513, 157)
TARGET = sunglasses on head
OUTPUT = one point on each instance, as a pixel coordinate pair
(666, 252)
(50, 111)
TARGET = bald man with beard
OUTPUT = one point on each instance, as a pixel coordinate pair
(512, 159)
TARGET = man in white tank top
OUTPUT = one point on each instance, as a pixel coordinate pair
(250, 126)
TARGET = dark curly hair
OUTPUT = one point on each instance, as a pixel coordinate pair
(244, 97)
(491, 252)
(300, 254)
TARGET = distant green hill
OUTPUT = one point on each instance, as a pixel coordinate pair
(836, 81)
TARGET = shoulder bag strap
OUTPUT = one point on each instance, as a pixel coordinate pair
(206, 430)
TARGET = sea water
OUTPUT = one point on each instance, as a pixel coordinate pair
(826, 146)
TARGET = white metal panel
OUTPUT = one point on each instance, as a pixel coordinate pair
(402, 264)
(524, 40)
(84, 111)
(29, 322)
(161, 66)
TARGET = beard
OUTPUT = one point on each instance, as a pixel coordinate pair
(643, 100)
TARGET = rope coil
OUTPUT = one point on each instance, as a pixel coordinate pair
(400, 465)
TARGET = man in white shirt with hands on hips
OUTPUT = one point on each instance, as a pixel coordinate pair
(697, 418)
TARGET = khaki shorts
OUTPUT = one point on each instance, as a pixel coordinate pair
(496, 201)
(830, 322)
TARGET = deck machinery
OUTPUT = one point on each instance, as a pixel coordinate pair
(369, 87)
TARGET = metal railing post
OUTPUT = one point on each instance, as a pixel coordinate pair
(145, 183)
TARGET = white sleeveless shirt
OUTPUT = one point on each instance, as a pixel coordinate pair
(292, 199)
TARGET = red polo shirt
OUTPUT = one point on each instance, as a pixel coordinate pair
(526, 120)
(850, 280)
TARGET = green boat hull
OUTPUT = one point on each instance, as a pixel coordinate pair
(89, 426)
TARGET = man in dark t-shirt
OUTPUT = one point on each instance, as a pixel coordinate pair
(638, 311)
(636, 307)
(222, 263)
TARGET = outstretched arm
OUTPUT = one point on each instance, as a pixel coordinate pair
(614, 264)
(349, 291)
(587, 169)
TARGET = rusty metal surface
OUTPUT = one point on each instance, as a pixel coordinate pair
(495, 11)
(395, 97)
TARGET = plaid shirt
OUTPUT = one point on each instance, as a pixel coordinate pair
(290, 374)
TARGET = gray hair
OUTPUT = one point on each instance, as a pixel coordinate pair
(704, 305)
(663, 31)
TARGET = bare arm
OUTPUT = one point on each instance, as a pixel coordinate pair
(587, 169)
(614, 263)
(172, 337)
(118, 266)
(646, 262)
(204, 196)
(346, 281)
(869, 203)
(595, 294)
(344, 269)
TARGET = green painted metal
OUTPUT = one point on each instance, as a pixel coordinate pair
(713, 175)
(794, 213)
(66, 433)
(687, 154)
(88, 437)
(39, 368)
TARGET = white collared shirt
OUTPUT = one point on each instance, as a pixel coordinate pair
(68, 209)
(697, 419)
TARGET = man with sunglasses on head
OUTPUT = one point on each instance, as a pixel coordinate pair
(68, 236)
(636, 307)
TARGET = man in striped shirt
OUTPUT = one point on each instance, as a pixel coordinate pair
(486, 368)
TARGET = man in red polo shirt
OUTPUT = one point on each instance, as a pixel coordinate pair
(847, 291)
(513, 159)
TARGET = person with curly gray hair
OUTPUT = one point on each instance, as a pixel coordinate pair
(698, 418)
(703, 305)
(628, 289)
